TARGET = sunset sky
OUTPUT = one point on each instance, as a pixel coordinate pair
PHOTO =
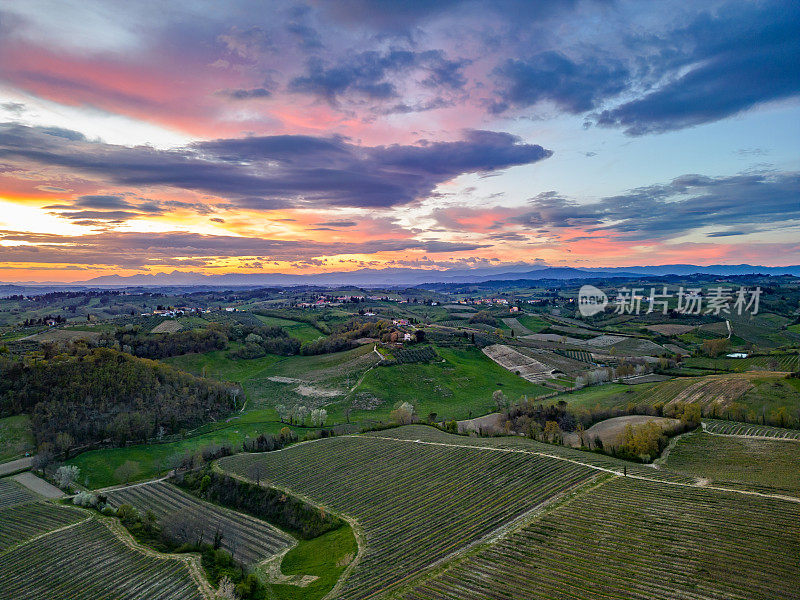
(239, 136)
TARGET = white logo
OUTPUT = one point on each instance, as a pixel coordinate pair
(591, 300)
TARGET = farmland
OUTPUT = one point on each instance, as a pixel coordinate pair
(770, 362)
(414, 504)
(249, 540)
(302, 331)
(24, 521)
(88, 562)
(637, 540)
(12, 493)
(525, 366)
(733, 428)
(455, 387)
(771, 466)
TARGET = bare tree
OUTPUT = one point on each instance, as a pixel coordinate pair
(256, 471)
(183, 527)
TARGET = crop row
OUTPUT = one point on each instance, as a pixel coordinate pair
(775, 362)
(523, 444)
(639, 541)
(12, 493)
(758, 464)
(415, 502)
(248, 539)
(25, 521)
(87, 562)
(734, 428)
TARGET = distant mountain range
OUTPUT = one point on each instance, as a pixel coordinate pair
(399, 277)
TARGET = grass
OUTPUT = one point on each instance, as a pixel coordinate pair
(532, 322)
(459, 385)
(98, 466)
(16, 437)
(325, 557)
(302, 331)
(610, 395)
(763, 465)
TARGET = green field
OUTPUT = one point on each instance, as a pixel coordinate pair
(302, 331)
(98, 466)
(532, 322)
(763, 465)
(416, 503)
(16, 437)
(773, 362)
(636, 540)
(325, 557)
(457, 386)
(459, 383)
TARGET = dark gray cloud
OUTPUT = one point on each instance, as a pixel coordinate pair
(246, 94)
(271, 172)
(338, 224)
(740, 56)
(745, 203)
(575, 87)
(689, 71)
(372, 74)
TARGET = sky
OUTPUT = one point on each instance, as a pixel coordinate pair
(259, 137)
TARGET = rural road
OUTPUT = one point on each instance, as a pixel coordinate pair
(15, 465)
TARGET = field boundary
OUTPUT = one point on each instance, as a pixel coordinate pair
(596, 468)
(520, 522)
(358, 532)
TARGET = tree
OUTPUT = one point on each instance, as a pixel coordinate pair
(553, 433)
(500, 400)
(64, 442)
(183, 527)
(66, 475)
(226, 590)
(256, 471)
(403, 414)
(581, 433)
(127, 471)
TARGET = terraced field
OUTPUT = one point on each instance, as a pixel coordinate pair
(87, 562)
(11, 493)
(523, 365)
(638, 541)
(248, 539)
(733, 428)
(25, 521)
(770, 466)
(416, 503)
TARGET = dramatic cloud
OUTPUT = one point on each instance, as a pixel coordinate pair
(688, 203)
(744, 55)
(373, 74)
(277, 171)
(575, 87)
